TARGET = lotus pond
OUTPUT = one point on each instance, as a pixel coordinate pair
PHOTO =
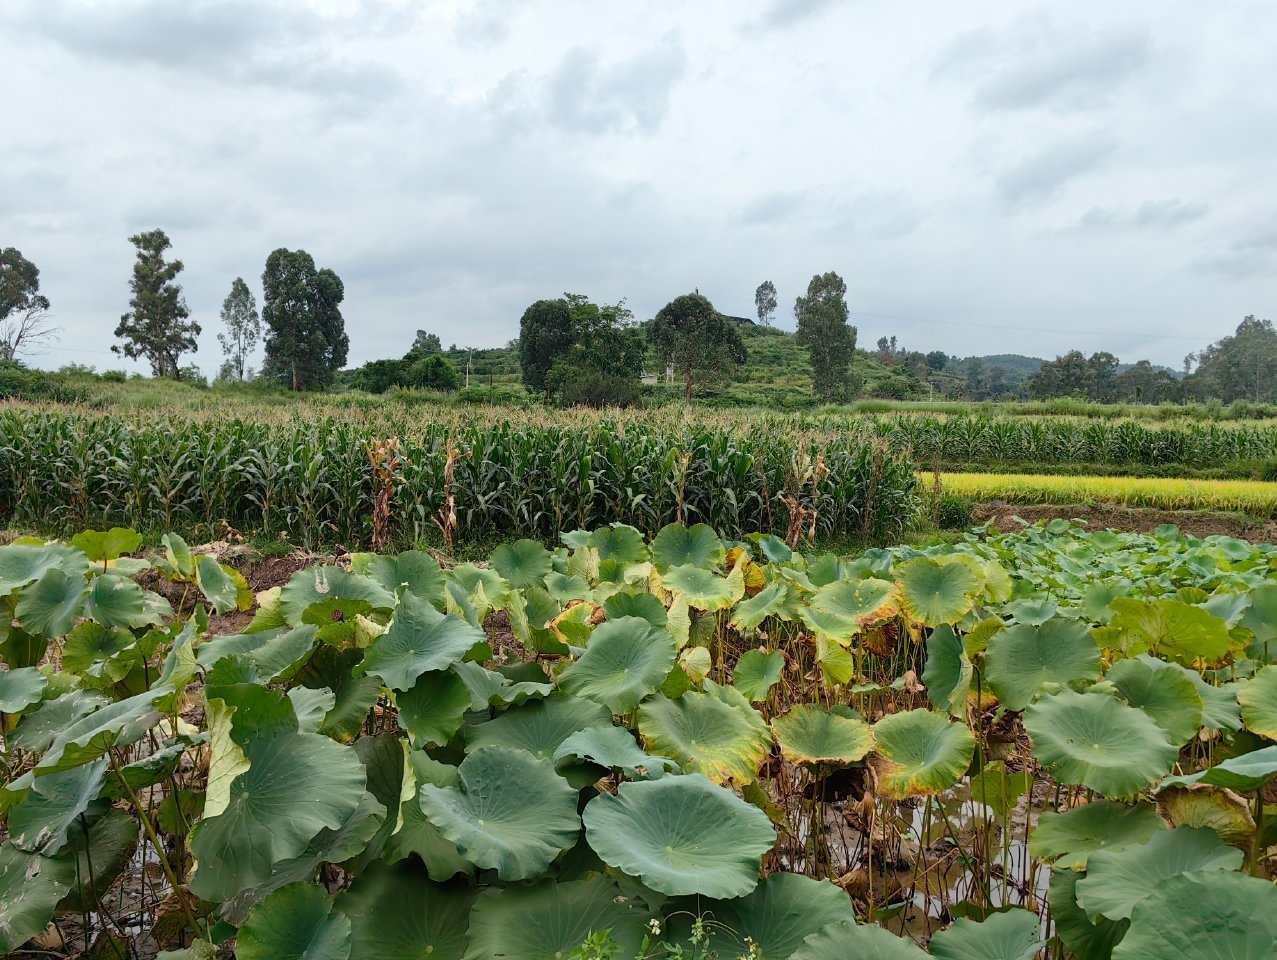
(1045, 744)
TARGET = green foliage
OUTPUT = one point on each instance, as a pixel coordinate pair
(243, 328)
(306, 340)
(157, 327)
(699, 341)
(824, 331)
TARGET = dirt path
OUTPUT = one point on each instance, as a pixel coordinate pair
(1199, 523)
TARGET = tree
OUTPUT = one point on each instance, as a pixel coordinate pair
(603, 364)
(243, 328)
(433, 373)
(306, 340)
(424, 345)
(545, 335)
(689, 333)
(1241, 366)
(765, 301)
(824, 331)
(157, 327)
(937, 359)
(25, 324)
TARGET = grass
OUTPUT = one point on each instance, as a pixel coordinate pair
(1253, 497)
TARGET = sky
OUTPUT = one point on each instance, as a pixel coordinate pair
(991, 176)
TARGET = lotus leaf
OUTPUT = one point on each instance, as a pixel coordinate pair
(948, 672)
(99, 856)
(413, 571)
(21, 688)
(1258, 700)
(277, 654)
(415, 833)
(1203, 805)
(100, 546)
(810, 733)
(1015, 934)
(40, 727)
(1206, 915)
(21, 564)
(509, 812)
(625, 661)
(40, 821)
(922, 752)
(770, 601)
(1250, 771)
(435, 708)
(1075, 930)
(119, 724)
(1162, 690)
(316, 584)
(420, 638)
(696, 546)
(775, 918)
(523, 564)
(549, 920)
(1021, 658)
(704, 590)
(539, 726)
(715, 732)
(1171, 628)
(757, 672)
(644, 605)
(680, 836)
(846, 939)
(936, 591)
(993, 787)
(30, 887)
(1116, 880)
(50, 605)
(116, 601)
(1069, 838)
(612, 747)
(1098, 742)
(296, 785)
(296, 922)
(397, 913)
(842, 609)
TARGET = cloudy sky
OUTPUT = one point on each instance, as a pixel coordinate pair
(1008, 176)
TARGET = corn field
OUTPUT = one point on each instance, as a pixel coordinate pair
(62, 471)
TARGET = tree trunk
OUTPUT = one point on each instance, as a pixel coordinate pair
(293, 367)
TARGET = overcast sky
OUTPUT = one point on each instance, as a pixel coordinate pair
(988, 177)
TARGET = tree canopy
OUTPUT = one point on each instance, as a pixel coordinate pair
(243, 330)
(545, 335)
(823, 329)
(157, 327)
(765, 302)
(24, 311)
(581, 352)
(306, 340)
(1242, 366)
(701, 343)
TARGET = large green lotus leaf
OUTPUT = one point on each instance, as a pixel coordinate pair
(21, 564)
(101, 655)
(715, 732)
(680, 546)
(384, 758)
(1176, 630)
(948, 672)
(842, 609)
(923, 753)
(1220, 709)
(420, 638)
(704, 590)
(50, 606)
(1085, 940)
(613, 747)
(1250, 771)
(416, 572)
(1096, 741)
(846, 940)
(510, 812)
(933, 591)
(538, 726)
(620, 544)
(1116, 880)
(416, 833)
(549, 920)
(256, 711)
(149, 770)
(1206, 915)
(487, 687)
(30, 887)
(757, 672)
(296, 922)
(40, 821)
(1163, 691)
(775, 918)
(770, 601)
(680, 836)
(119, 724)
(21, 688)
(810, 733)
(1021, 658)
(397, 913)
(20, 649)
(1069, 838)
(1259, 703)
(530, 611)
(115, 601)
(276, 654)
(216, 585)
(628, 603)
(316, 584)
(1203, 805)
(107, 545)
(332, 669)
(523, 564)
(39, 728)
(296, 785)
(98, 858)
(484, 589)
(178, 562)
(564, 589)
(625, 661)
(1015, 934)
(435, 708)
